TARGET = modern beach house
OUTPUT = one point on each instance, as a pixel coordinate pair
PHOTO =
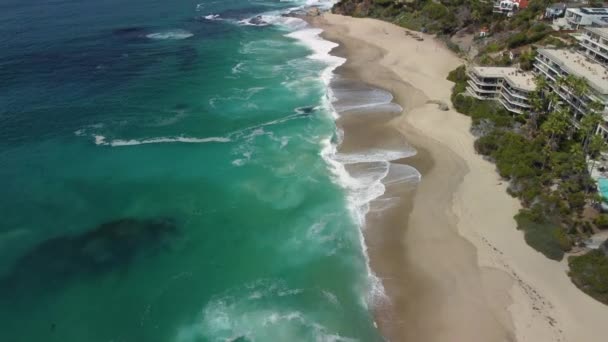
(586, 16)
(594, 43)
(508, 7)
(555, 64)
(556, 10)
(509, 86)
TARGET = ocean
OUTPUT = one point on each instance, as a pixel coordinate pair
(169, 173)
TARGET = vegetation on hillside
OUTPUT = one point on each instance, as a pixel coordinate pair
(449, 18)
(590, 273)
(446, 16)
(542, 156)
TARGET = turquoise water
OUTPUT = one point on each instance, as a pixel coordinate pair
(603, 185)
(164, 177)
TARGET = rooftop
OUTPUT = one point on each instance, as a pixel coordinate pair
(522, 80)
(589, 10)
(492, 71)
(516, 77)
(578, 65)
(600, 31)
(599, 21)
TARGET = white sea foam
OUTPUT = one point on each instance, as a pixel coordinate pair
(176, 34)
(372, 167)
(237, 94)
(237, 68)
(101, 140)
(213, 17)
(277, 18)
(242, 313)
(374, 155)
(321, 50)
(360, 193)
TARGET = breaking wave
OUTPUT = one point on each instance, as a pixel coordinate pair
(177, 34)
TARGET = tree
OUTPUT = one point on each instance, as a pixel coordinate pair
(588, 126)
(537, 107)
(538, 104)
(577, 85)
(553, 99)
(556, 126)
(476, 16)
(526, 60)
(597, 145)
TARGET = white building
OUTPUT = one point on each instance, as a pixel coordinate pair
(554, 64)
(508, 7)
(594, 43)
(509, 86)
(556, 10)
(585, 16)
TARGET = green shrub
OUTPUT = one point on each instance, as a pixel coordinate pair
(493, 47)
(517, 40)
(462, 103)
(526, 60)
(384, 2)
(590, 273)
(601, 221)
(434, 10)
(517, 157)
(540, 27)
(543, 235)
(489, 143)
(458, 75)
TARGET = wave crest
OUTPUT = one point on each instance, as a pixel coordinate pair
(101, 140)
(177, 34)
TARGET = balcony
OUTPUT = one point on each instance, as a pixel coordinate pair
(515, 92)
(514, 101)
(546, 62)
(493, 89)
(596, 47)
(546, 72)
(478, 96)
(510, 107)
(483, 81)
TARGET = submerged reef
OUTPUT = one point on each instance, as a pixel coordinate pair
(110, 246)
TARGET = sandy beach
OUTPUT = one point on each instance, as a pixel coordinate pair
(452, 263)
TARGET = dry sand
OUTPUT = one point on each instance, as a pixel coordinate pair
(451, 260)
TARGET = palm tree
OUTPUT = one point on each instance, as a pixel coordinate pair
(561, 81)
(597, 145)
(577, 85)
(556, 126)
(588, 126)
(553, 99)
(541, 82)
(537, 107)
(595, 106)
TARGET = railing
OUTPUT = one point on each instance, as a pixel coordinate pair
(514, 102)
(545, 72)
(515, 91)
(557, 71)
(479, 80)
(478, 96)
(481, 90)
(597, 49)
(509, 107)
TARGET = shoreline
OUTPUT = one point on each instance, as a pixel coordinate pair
(450, 258)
